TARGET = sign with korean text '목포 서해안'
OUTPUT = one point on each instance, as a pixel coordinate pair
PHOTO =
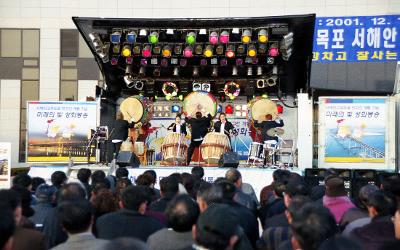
(357, 39)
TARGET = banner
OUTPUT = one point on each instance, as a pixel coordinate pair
(59, 130)
(5, 165)
(357, 39)
(355, 129)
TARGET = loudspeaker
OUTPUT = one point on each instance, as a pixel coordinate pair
(362, 177)
(229, 160)
(127, 158)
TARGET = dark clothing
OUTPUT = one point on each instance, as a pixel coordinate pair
(168, 239)
(160, 205)
(275, 207)
(120, 130)
(273, 237)
(28, 239)
(228, 127)
(41, 211)
(199, 130)
(267, 125)
(286, 245)
(375, 234)
(126, 223)
(351, 215)
(54, 234)
(173, 128)
(265, 195)
(279, 220)
(192, 146)
(245, 200)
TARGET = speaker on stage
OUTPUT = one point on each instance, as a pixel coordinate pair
(229, 160)
(362, 177)
(127, 158)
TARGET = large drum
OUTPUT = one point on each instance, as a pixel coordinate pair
(174, 149)
(137, 107)
(200, 101)
(259, 107)
(213, 146)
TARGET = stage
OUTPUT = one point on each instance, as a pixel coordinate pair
(257, 177)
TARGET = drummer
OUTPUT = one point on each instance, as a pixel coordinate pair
(177, 126)
(267, 125)
(223, 126)
(200, 126)
(120, 132)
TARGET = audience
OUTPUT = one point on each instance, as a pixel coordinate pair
(76, 218)
(130, 221)
(45, 195)
(189, 182)
(98, 176)
(275, 205)
(234, 176)
(7, 228)
(122, 173)
(267, 193)
(169, 188)
(103, 203)
(23, 180)
(153, 174)
(36, 182)
(84, 177)
(208, 194)
(125, 243)
(58, 179)
(339, 243)
(182, 214)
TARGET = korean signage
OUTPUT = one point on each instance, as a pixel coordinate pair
(357, 39)
(58, 131)
(5, 165)
(355, 129)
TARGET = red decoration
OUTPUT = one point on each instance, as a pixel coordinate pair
(279, 108)
(229, 109)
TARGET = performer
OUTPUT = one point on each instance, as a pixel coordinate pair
(120, 132)
(177, 126)
(267, 125)
(224, 126)
(200, 126)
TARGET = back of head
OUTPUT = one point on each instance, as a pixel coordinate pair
(104, 202)
(97, 176)
(144, 180)
(296, 203)
(383, 202)
(75, 216)
(228, 189)
(198, 115)
(334, 187)
(198, 172)
(26, 200)
(58, 178)
(364, 193)
(216, 226)
(210, 193)
(121, 173)
(9, 199)
(339, 243)
(182, 213)
(23, 180)
(7, 226)
(392, 185)
(169, 186)
(152, 173)
(45, 193)
(188, 182)
(280, 174)
(268, 117)
(71, 192)
(125, 244)
(133, 197)
(296, 186)
(84, 175)
(36, 182)
(233, 175)
(312, 225)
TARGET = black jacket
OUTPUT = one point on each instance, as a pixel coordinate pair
(126, 223)
(267, 125)
(173, 128)
(120, 130)
(228, 127)
(199, 126)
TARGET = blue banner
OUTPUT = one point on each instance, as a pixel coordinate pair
(357, 39)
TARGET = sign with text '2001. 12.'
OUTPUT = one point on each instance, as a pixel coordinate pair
(357, 39)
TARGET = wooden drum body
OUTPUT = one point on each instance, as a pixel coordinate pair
(174, 149)
(214, 145)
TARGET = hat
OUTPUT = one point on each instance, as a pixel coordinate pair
(45, 191)
(219, 220)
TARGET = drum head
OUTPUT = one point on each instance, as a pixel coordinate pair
(262, 107)
(131, 107)
(199, 101)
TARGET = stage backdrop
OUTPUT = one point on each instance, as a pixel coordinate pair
(59, 130)
(5, 165)
(354, 130)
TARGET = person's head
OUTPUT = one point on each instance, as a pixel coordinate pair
(396, 222)
(233, 175)
(75, 216)
(125, 244)
(295, 186)
(311, 226)
(198, 172)
(178, 119)
(364, 193)
(208, 194)
(188, 182)
(334, 187)
(169, 186)
(45, 193)
(23, 180)
(182, 213)
(392, 184)
(222, 117)
(339, 243)
(198, 115)
(381, 203)
(71, 192)
(104, 203)
(10, 199)
(7, 228)
(36, 182)
(296, 203)
(84, 175)
(152, 173)
(134, 198)
(122, 173)
(58, 178)
(119, 115)
(228, 189)
(280, 174)
(97, 176)
(26, 200)
(217, 228)
(144, 180)
(268, 117)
